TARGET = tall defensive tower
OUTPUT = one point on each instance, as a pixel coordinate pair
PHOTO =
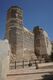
(14, 32)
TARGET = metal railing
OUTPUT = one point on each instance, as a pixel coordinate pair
(23, 64)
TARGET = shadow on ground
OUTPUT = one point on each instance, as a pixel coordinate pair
(48, 76)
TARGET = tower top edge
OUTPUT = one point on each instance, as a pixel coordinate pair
(38, 28)
(15, 7)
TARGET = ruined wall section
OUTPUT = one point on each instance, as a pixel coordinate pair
(28, 44)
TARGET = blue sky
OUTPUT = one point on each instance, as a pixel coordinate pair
(36, 12)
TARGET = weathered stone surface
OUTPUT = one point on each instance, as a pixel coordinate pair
(4, 58)
(42, 45)
(20, 39)
(28, 45)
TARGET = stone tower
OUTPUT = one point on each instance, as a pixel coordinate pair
(41, 44)
(14, 32)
